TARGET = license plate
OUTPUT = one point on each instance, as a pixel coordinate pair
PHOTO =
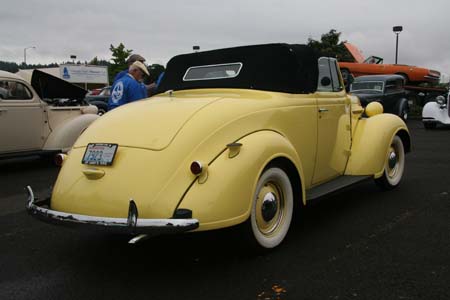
(99, 154)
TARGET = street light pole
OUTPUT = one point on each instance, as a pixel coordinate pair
(25, 54)
(397, 30)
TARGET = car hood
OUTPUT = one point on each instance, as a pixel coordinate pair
(354, 52)
(366, 95)
(366, 98)
(51, 87)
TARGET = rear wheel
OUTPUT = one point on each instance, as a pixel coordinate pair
(404, 113)
(393, 166)
(272, 208)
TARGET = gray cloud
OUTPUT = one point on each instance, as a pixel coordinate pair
(162, 29)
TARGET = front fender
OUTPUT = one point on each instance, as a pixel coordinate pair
(64, 136)
(225, 198)
(432, 112)
(371, 141)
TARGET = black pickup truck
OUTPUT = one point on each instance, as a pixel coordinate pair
(386, 89)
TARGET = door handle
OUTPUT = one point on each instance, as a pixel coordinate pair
(323, 110)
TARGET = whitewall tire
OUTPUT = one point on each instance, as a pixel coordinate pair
(272, 208)
(394, 165)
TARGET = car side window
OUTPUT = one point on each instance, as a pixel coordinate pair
(337, 86)
(329, 80)
(325, 80)
(13, 90)
(393, 86)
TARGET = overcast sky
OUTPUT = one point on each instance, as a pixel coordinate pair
(161, 29)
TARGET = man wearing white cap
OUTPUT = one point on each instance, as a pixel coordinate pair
(129, 88)
(130, 60)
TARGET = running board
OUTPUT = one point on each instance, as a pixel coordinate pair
(333, 186)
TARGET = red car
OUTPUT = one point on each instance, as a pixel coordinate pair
(374, 66)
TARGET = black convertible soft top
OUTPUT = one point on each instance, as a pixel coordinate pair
(270, 67)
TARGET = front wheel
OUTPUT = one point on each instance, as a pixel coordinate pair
(429, 125)
(101, 106)
(394, 165)
(404, 113)
(272, 208)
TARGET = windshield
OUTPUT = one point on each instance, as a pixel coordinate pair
(373, 60)
(367, 86)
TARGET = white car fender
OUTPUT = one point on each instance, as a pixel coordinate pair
(432, 112)
(64, 136)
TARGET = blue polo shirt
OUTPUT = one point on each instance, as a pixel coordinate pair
(120, 75)
(126, 90)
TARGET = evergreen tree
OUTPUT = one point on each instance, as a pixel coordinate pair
(119, 58)
(330, 46)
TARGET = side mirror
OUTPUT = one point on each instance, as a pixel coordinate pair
(325, 81)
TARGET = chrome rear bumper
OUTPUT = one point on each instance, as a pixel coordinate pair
(131, 225)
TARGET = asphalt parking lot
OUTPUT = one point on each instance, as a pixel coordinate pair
(360, 243)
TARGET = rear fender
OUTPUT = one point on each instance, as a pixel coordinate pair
(371, 141)
(64, 136)
(225, 198)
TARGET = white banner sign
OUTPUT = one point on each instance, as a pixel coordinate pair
(84, 74)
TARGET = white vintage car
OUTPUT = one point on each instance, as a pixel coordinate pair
(434, 113)
(43, 117)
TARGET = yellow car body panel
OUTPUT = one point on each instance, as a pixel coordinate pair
(269, 125)
(159, 178)
(371, 139)
(333, 132)
(213, 203)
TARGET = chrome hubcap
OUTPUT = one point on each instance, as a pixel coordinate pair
(392, 163)
(269, 207)
(392, 160)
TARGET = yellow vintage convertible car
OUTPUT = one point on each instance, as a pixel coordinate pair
(235, 136)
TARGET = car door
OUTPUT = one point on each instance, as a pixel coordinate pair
(393, 92)
(22, 118)
(334, 136)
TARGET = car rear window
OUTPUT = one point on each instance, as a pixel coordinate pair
(210, 72)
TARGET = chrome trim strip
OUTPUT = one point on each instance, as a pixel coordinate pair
(432, 77)
(130, 225)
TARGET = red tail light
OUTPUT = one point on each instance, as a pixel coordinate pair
(196, 167)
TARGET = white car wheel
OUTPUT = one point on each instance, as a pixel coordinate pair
(272, 208)
(394, 165)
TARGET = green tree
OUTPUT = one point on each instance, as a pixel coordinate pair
(99, 62)
(330, 46)
(14, 67)
(94, 61)
(119, 58)
(9, 66)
